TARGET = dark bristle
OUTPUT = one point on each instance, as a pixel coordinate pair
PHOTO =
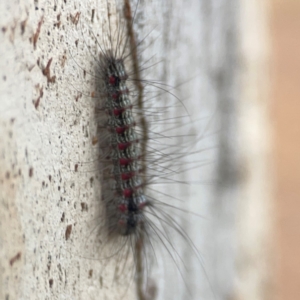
(135, 154)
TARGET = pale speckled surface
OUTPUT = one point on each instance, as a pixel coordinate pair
(38, 205)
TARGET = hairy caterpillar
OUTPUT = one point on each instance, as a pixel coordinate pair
(134, 227)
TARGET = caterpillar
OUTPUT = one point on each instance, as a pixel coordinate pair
(134, 155)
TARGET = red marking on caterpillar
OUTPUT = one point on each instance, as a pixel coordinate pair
(123, 144)
(135, 158)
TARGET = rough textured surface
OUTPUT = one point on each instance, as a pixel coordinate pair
(45, 131)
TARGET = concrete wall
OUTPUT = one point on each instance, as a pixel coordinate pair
(47, 124)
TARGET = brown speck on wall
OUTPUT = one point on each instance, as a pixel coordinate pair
(51, 282)
(68, 232)
(15, 258)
